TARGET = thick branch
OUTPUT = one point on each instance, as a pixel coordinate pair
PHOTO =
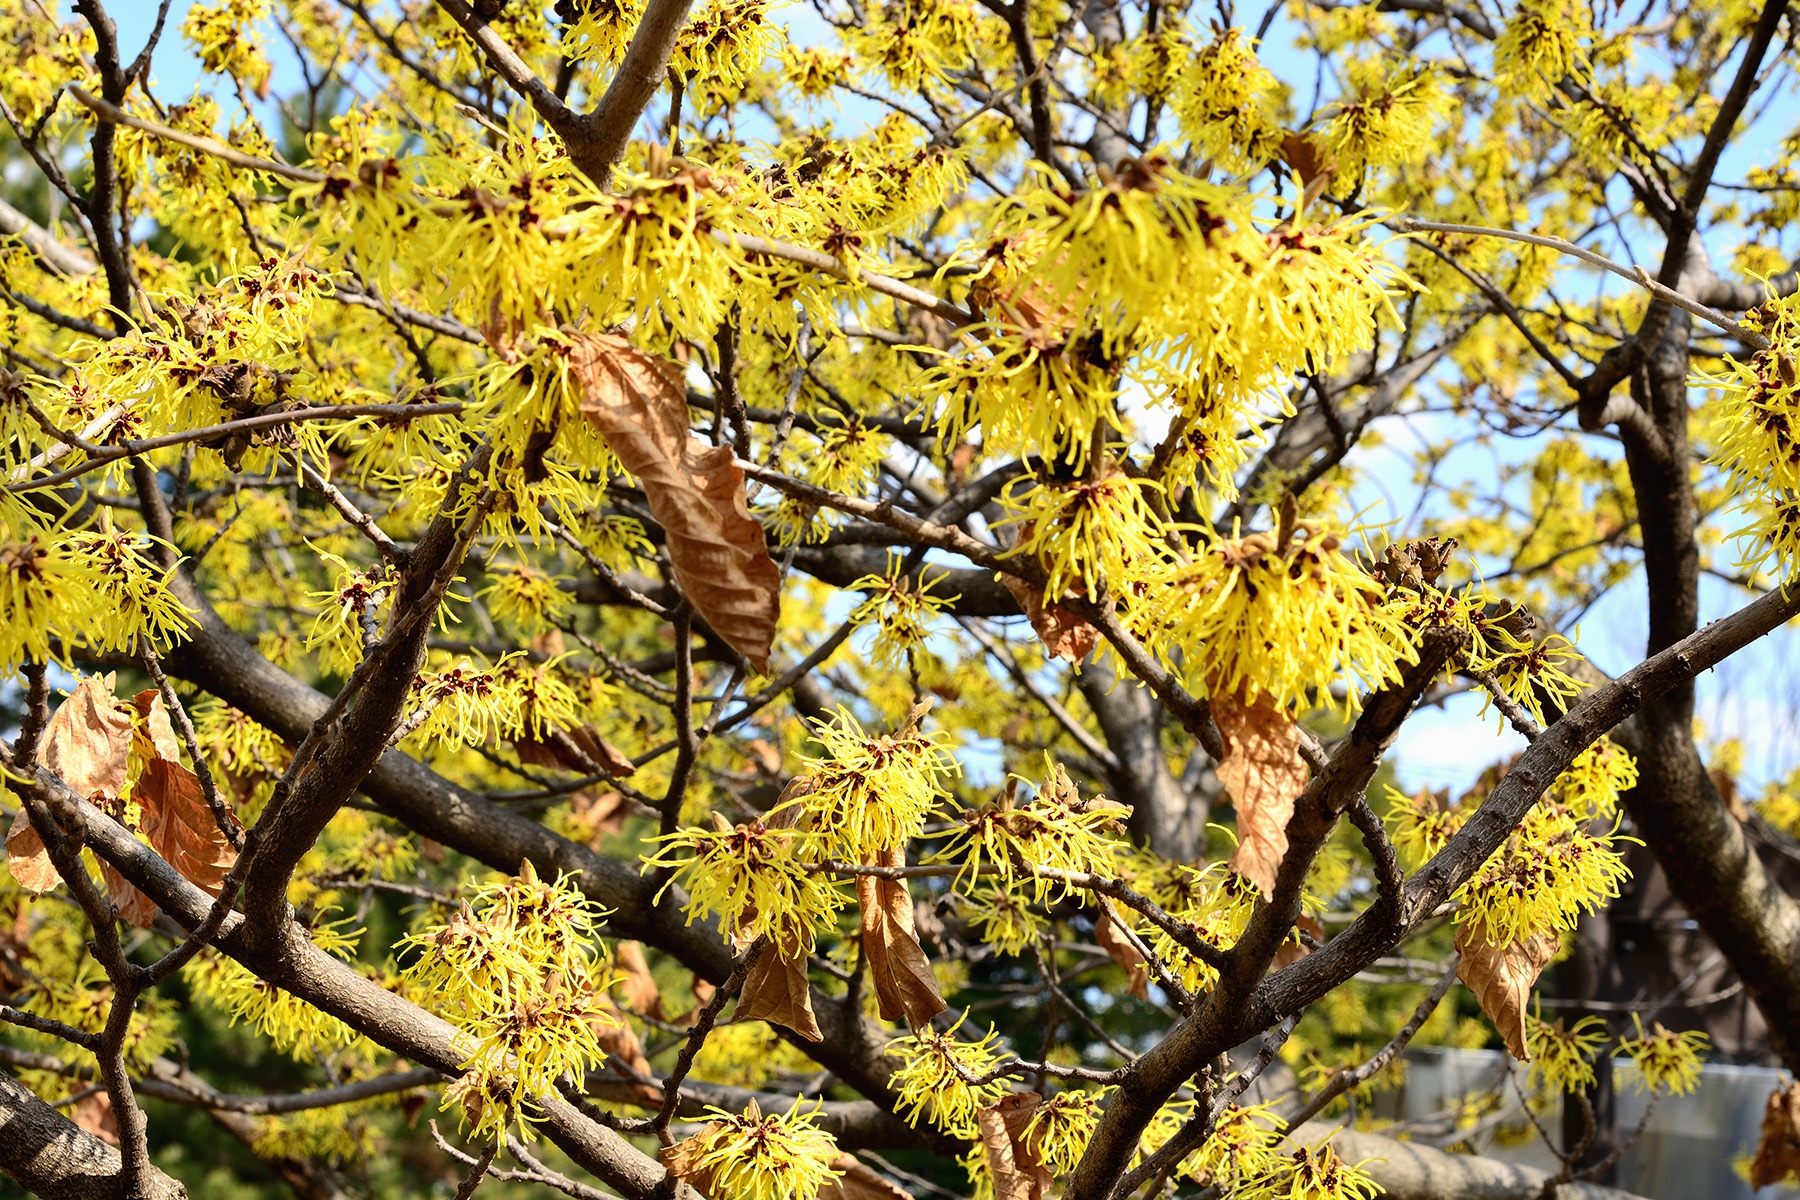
(49, 1156)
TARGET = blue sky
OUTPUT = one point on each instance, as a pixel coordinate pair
(1754, 696)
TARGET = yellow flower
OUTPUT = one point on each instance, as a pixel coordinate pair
(1541, 46)
(528, 599)
(870, 793)
(1548, 872)
(1057, 829)
(1087, 531)
(1059, 1131)
(940, 1077)
(1227, 104)
(1421, 824)
(753, 1157)
(1389, 122)
(1562, 1058)
(1287, 620)
(1665, 1061)
(757, 879)
(900, 612)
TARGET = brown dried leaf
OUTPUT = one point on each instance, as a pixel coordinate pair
(1110, 938)
(27, 858)
(776, 991)
(1063, 633)
(682, 1160)
(180, 826)
(1018, 1175)
(1302, 154)
(1293, 951)
(1264, 774)
(859, 1182)
(157, 726)
(93, 1113)
(134, 907)
(904, 983)
(579, 749)
(87, 741)
(639, 988)
(1778, 1153)
(638, 402)
(1501, 978)
(622, 1047)
(1029, 306)
(764, 756)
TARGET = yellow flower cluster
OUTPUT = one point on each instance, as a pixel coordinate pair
(1087, 531)
(1664, 1060)
(1756, 432)
(1203, 303)
(291, 1024)
(900, 612)
(64, 591)
(1549, 871)
(872, 792)
(518, 969)
(1057, 829)
(749, 1156)
(758, 879)
(1562, 1057)
(940, 1078)
(1284, 619)
(1059, 1131)
(1227, 103)
(1388, 121)
(1541, 46)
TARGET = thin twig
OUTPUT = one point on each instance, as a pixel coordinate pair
(1636, 275)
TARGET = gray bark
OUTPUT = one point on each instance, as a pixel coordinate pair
(1162, 817)
(50, 1156)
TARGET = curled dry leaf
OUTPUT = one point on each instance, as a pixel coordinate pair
(625, 1053)
(1778, 1153)
(1501, 978)
(1264, 774)
(859, 1182)
(87, 744)
(580, 749)
(1018, 1173)
(1292, 951)
(134, 907)
(180, 825)
(1303, 155)
(593, 815)
(156, 724)
(904, 983)
(94, 1114)
(682, 1160)
(638, 989)
(1029, 306)
(776, 990)
(26, 856)
(1111, 938)
(1063, 633)
(87, 741)
(638, 402)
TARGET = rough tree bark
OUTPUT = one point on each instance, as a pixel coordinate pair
(50, 1156)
